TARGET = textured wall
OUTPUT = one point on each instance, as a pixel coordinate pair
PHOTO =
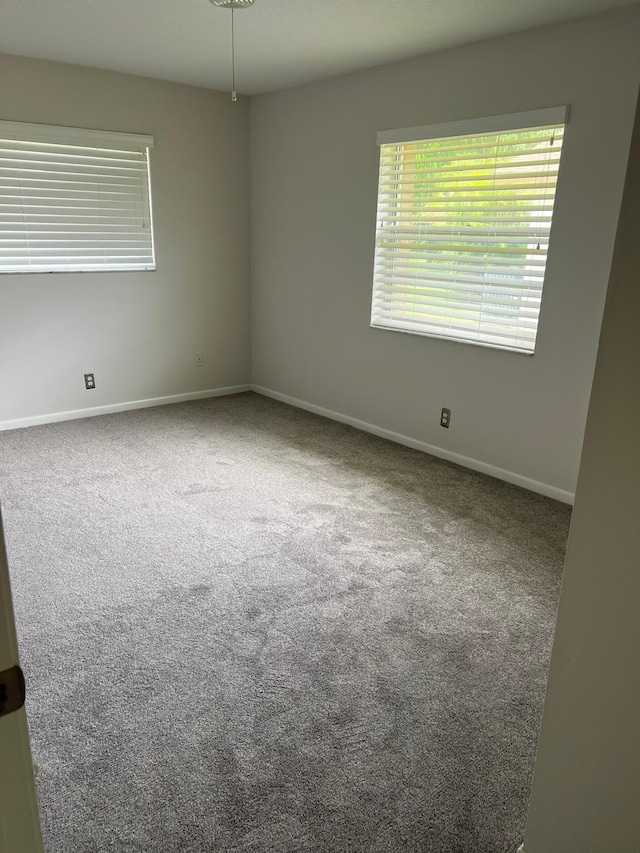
(314, 182)
(138, 332)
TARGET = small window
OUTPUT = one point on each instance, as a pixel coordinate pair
(74, 200)
(463, 227)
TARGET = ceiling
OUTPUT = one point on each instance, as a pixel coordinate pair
(279, 43)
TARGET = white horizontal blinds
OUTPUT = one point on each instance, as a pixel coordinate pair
(73, 200)
(463, 232)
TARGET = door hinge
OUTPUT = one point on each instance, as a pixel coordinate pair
(12, 690)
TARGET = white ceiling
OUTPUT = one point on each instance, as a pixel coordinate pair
(279, 43)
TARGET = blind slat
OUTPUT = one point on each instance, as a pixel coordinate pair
(475, 327)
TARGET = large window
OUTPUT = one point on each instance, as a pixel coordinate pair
(463, 227)
(74, 200)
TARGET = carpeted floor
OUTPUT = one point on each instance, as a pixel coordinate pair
(249, 629)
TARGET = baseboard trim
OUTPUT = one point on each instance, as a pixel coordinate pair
(521, 849)
(407, 441)
(94, 411)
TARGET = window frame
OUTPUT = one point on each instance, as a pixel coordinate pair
(90, 140)
(531, 120)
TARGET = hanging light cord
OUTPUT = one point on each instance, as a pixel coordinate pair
(234, 94)
(233, 5)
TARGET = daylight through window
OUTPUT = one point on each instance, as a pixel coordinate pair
(74, 200)
(463, 227)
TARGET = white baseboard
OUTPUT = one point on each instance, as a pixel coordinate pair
(407, 441)
(54, 417)
(441, 453)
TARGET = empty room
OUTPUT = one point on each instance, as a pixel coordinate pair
(319, 474)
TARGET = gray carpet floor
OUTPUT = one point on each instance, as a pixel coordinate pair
(246, 628)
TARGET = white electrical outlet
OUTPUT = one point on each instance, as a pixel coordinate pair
(199, 360)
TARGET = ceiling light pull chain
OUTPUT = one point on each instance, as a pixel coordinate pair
(233, 4)
(234, 94)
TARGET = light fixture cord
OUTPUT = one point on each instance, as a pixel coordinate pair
(234, 94)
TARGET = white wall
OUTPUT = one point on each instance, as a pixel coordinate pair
(314, 182)
(586, 790)
(138, 332)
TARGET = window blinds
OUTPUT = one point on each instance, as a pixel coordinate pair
(463, 228)
(73, 200)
